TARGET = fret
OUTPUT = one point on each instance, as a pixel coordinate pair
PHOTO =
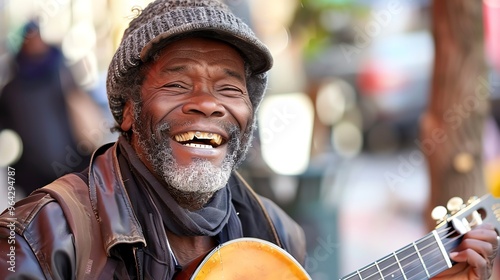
(412, 263)
(390, 268)
(442, 249)
(400, 267)
(422, 260)
(428, 248)
(379, 271)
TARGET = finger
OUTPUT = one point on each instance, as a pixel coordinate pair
(482, 239)
(487, 227)
(484, 233)
(479, 264)
(483, 248)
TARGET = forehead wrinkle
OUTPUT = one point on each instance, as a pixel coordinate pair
(168, 69)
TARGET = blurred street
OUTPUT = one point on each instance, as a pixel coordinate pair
(375, 216)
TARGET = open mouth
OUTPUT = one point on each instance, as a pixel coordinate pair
(198, 139)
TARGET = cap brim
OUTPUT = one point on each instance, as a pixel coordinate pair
(254, 53)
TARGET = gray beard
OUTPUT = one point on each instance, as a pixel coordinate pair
(191, 186)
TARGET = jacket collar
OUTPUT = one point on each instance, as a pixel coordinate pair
(110, 201)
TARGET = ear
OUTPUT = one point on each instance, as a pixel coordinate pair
(128, 116)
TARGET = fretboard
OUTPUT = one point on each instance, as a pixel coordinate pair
(422, 259)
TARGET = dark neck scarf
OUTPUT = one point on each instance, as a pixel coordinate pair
(217, 217)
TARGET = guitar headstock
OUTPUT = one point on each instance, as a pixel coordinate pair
(465, 216)
(429, 256)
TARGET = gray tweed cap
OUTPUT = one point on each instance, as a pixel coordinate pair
(164, 21)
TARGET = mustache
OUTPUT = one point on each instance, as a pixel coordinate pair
(238, 141)
(164, 128)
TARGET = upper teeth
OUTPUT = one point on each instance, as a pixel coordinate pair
(188, 136)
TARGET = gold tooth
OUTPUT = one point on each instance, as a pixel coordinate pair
(215, 138)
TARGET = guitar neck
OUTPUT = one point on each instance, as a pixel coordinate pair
(422, 259)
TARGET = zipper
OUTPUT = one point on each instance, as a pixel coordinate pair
(138, 256)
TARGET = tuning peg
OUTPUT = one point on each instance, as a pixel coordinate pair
(455, 204)
(439, 213)
(461, 227)
(476, 219)
(472, 199)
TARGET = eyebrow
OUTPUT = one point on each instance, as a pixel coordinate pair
(175, 69)
(234, 74)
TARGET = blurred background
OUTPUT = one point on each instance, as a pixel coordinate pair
(338, 141)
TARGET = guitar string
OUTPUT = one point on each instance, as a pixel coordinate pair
(440, 231)
(452, 240)
(410, 255)
(429, 268)
(449, 240)
(410, 263)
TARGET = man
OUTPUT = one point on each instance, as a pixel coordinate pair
(184, 87)
(33, 104)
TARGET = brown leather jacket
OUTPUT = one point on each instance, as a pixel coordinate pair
(73, 229)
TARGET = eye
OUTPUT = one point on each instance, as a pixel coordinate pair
(231, 90)
(175, 88)
(174, 85)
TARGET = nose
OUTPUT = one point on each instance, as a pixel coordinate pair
(204, 103)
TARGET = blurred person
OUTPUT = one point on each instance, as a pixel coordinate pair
(34, 105)
(184, 87)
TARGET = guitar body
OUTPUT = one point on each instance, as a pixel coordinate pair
(246, 258)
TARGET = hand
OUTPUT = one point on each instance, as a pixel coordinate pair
(474, 255)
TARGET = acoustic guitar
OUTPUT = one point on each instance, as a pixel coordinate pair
(251, 258)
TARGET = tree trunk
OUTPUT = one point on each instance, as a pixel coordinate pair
(452, 126)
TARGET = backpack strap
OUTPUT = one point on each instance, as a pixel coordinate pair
(271, 229)
(72, 194)
(263, 219)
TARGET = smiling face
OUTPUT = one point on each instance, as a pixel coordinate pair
(194, 121)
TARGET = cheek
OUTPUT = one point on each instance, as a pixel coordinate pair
(244, 114)
(158, 109)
